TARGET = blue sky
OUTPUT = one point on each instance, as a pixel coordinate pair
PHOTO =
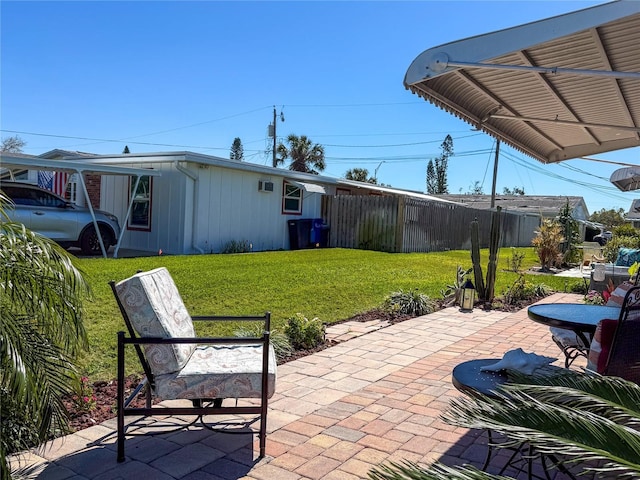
(173, 76)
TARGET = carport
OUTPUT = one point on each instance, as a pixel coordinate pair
(16, 161)
(556, 89)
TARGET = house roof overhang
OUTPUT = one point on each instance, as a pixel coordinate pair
(560, 88)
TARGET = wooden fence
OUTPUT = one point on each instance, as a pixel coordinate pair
(400, 224)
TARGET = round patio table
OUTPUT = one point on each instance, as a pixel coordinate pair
(581, 318)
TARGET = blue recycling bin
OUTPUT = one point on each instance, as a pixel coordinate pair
(319, 233)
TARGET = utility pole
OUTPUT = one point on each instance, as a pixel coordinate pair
(495, 175)
(274, 132)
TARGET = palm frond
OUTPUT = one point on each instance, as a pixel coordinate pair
(559, 421)
(437, 471)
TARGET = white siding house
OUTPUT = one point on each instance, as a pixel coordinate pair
(200, 203)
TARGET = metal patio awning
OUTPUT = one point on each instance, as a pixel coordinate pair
(11, 161)
(560, 88)
(308, 187)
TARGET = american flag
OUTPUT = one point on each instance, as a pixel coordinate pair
(54, 181)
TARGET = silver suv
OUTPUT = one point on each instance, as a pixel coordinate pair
(52, 216)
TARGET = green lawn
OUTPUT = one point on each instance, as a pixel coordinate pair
(332, 284)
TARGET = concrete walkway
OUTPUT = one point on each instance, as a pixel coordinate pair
(373, 398)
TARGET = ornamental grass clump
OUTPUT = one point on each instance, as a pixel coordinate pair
(280, 341)
(410, 302)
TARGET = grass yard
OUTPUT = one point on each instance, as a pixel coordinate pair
(331, 284)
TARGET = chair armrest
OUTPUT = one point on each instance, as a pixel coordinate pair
(223, 318)
(196, 340)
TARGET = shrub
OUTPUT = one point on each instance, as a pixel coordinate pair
(280, 342)
(19, 430)
(522, 290)
(237, 246)
(83, 397)
(594, 298)
(547, 243)
(410, 303)
(514, 262)
(610, 250)
(451, 293)
(304, 333)
(625, 230)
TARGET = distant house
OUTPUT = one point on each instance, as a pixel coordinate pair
(633, 215)
(542, 206)
(546, 206)
(201, 203)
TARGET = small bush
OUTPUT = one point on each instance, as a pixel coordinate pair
(514, 262)
(625, 230)
(280, 342)
(522, 290)
(19, 431)
(237, 246)
(578, 287)
(304, 333)
(610, 250)
(594, 298)
(410, 303)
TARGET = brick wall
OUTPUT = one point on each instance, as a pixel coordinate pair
(93, 189)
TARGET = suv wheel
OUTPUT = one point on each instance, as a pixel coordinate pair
(89, 243)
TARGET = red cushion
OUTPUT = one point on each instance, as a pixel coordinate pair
(601, 344)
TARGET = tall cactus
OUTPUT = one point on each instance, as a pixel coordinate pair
(494, 246)
(486, 290)
(475, 259)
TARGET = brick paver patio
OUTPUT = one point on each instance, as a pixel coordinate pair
(375, 397)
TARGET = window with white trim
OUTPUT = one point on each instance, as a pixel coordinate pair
(291, 199)
(140, 218)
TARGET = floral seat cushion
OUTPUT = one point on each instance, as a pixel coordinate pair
(221, 371)
(153, 304)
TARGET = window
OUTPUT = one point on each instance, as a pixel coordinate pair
(140, 218)
(291, 199)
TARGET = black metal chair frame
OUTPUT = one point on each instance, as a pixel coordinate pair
(201, 407)
(624, 355)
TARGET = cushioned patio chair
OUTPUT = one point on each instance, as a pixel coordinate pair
(179, 365)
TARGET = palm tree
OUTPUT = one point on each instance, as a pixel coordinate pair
(41, 333)
(305, 156)
(579, 417)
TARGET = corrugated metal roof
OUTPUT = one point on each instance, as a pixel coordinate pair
(560, 88)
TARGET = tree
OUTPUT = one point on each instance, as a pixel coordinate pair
(41, 332)
(574, 415)
(571, 233)
(305, 156)
(609, 218)
(475, 189)
(126, 150)
(437, 169)
(237, 152)
(12, 144)
(513, 191)
(360, 175)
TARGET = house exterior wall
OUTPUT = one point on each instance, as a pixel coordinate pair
(204, 215)
(169, 210)
(231, 208)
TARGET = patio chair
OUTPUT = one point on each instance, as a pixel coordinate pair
(179, 365)
(615, 348)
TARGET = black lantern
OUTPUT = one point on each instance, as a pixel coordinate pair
(468, 297)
